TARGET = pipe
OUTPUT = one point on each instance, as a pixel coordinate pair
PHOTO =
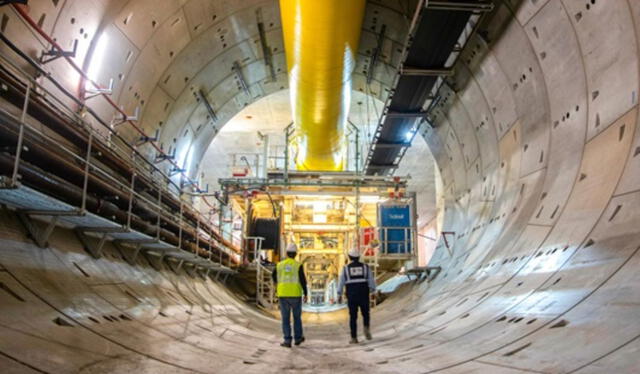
(23, 12)
(321, 42)
(39, 110)
(41, 156)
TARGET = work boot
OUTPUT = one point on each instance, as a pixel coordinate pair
(298, 342)
(286, 344)
(353, 341)
(367, 333)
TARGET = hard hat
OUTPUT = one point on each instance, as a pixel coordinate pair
(354, 252)
(292, 248)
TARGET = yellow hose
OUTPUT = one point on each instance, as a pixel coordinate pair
(321, 42)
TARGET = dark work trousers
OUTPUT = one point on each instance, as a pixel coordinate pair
(288, 306)
(355, 301)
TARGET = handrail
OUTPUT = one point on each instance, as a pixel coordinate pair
(265, 292)
(152, 172)
(95, 169)
(407, 243)
(85, 78)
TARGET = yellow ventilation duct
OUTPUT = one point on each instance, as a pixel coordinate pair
(321, 42)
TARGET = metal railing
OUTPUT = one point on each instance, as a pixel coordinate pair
(403, 246)
(265, 288)
(252, 250)
(96, 173)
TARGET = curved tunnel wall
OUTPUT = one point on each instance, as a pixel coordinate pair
(538, 146)
(160, 54)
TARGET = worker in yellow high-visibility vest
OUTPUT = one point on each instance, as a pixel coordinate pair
(291, 286)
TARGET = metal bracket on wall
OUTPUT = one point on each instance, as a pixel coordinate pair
(224, 279)
(130, 255)
(446, 242)
(156, 261)
(190, 269)
(172, 265)
(41, 236)
(95, 250)
(120, 118)
(266, 51)
(148, 139)
(91, 92)
(376, 53)
(207, 105)
(160, 157)
(56, 54)
(237, 69)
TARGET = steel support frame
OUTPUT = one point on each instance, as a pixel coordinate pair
(474, 7)
(95, 250)
(207, 105)
(288, 134)
(402, 115)
(156, 261)
(130, 255)
(266, 51)
(237, 69)
(171, 262)
(41, 235)
(423, 72)
(376, 53)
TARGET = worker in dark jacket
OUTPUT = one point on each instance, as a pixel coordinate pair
(291, 285)
(359, 280)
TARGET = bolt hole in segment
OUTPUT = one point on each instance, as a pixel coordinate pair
(321, 43)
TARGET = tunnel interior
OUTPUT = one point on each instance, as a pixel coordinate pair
(528, 162)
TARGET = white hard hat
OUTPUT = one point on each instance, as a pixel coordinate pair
(292, 248)
(354, 252)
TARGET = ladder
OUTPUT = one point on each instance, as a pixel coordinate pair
(265, 290)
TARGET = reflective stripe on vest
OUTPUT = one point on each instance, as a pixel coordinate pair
(356, 274)
(288, 278)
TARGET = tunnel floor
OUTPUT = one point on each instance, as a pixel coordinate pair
(64, 311)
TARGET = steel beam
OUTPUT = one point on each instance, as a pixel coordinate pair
(474, 7)
(130, 255)
(393, 145)
(418, 114)
(376, 53)
(433, 72)
(237, 69)
(266, 51)
(381, 166)
(207, 104)
(94, 249)
(39, 236)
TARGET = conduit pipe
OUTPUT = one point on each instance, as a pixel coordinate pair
(104, 198)
(57, 122)
(321, 42)
(22, 11)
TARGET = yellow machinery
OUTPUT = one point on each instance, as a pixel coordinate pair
(321, 42)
